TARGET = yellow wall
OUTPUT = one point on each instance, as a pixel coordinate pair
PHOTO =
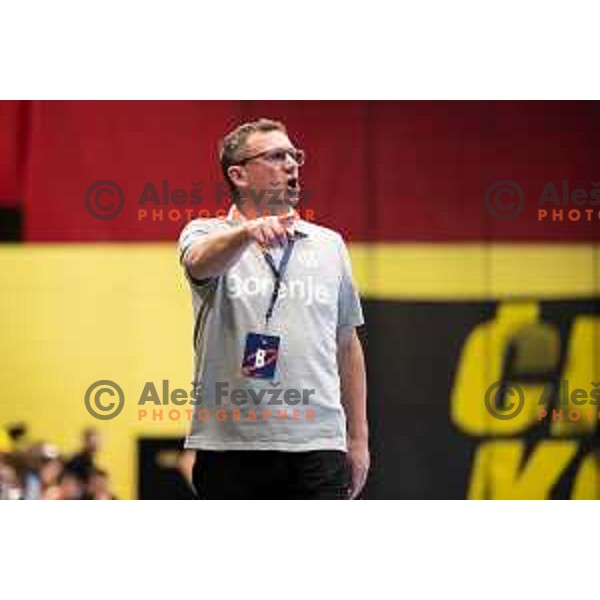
(71, 315)
(74, 314)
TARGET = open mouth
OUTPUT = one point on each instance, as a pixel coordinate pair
(293, 190)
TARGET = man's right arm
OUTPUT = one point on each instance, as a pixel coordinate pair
(216, 252)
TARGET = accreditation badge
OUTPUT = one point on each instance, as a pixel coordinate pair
(260, 355)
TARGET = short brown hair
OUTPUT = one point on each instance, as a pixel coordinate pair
(232, 145)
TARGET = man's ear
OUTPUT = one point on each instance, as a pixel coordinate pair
(237, 174)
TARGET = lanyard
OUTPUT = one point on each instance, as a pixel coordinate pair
(278, 273)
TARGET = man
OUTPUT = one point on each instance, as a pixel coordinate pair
(275, 313)
(83, 464)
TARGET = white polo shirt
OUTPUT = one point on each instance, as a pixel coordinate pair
(299, 408)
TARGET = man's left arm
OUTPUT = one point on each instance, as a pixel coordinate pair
(351, 366)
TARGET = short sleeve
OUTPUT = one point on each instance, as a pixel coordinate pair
(190, 234)
(349, 307)
(194, 231)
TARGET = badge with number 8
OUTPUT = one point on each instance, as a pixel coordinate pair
(260, 356)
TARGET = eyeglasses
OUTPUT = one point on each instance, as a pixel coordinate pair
(278, 156)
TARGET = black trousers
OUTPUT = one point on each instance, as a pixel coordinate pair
(271, 475)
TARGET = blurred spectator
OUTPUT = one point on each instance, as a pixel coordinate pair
(18, 435)
(98, 487)
(50, 472)
(82, 464)
(30, 461)
(70, 487)
(9, 482)
(37, 471)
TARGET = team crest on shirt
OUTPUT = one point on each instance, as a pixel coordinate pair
(308, 258)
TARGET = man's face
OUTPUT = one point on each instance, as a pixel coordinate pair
(271, 171)
(92, 441)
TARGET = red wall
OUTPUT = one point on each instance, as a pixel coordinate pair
(398, 171)
(13, 140)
